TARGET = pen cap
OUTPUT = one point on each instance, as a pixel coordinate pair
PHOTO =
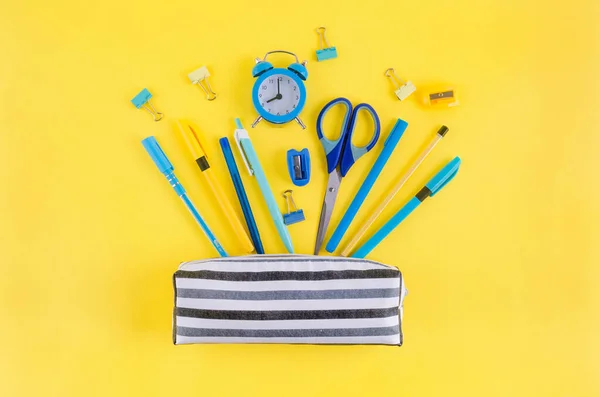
(192, 137)
(238, 135)
(158, 156)
(444, 176)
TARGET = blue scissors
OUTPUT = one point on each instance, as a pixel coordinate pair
(341, 154)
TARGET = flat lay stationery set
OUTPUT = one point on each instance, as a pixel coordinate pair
(300, 299)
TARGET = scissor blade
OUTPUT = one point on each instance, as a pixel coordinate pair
(331, 193)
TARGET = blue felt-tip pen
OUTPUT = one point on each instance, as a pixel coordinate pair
(436, 184)
(166, 168)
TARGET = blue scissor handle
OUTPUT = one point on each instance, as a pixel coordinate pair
(333, 149)
(352, 153)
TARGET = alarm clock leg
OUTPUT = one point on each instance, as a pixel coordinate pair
(257, 121)
(301, 123)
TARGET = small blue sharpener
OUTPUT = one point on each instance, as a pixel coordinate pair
(299, 166)
(326, 53)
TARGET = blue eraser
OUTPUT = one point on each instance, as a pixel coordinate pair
(298, 163)
(326, 53)
(140, 99)
(293, 217)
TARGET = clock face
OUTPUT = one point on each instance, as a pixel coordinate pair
(279, 95)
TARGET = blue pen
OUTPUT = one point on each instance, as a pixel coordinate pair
(388, 147)
(436, 184)
(241, 194)
(253, 164)
(166, 168)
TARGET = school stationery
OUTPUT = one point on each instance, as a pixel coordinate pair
(299, 166)
(388, 147)
(442, 98)
(288, 299)
(341, 154)
(279, 94)
(254, 168)
(366, 225)
(326, 52)
(436, 184)
(191, 136)
(293, 214)
(200, 78)
(241, 194)
(166, 168)
(142, 101)
(403, 89)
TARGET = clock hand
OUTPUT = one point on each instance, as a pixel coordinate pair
(278, 90)
(278, 96)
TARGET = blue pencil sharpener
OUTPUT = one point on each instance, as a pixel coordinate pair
(299, 166)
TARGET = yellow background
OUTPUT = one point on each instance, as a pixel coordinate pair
(502, 266)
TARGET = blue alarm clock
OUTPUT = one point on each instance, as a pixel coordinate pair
(279, 94)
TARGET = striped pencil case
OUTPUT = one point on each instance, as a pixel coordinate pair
(288, 299)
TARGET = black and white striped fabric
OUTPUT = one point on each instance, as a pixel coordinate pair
(288, 299)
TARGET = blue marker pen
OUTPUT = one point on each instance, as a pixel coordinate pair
(429, 190)
(166, 168)
(388, 147)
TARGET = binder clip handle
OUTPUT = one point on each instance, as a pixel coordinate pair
(391, 74)
(322, 32)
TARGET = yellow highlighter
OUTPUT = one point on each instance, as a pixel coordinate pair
(191, 137)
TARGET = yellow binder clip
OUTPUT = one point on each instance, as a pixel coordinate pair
(200, 77)
(403, 89)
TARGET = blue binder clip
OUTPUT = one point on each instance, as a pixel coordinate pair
(299, 166)
(293, 215)
(142, 101)
(325, 52)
